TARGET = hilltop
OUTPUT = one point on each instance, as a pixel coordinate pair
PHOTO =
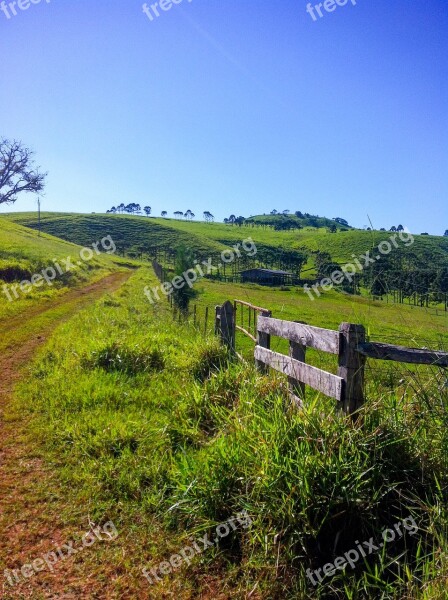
(139, 235)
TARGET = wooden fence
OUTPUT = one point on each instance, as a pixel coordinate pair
(348, 343)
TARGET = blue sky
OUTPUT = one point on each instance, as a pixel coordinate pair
(234, 106)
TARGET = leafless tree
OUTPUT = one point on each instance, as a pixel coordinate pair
(17, 171)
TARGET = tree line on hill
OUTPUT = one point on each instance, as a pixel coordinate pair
(136, 209)
(286, 222)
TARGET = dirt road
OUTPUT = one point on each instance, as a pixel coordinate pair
(27, 526)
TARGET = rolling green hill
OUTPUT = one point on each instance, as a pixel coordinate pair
(140, 234)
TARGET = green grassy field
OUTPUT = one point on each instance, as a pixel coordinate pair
(147, 423)
(398, 324)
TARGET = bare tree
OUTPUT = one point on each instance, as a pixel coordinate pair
(17, 171)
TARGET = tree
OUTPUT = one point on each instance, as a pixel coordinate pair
(273, 212)
(338, 220)
(232, 219)
(17, 172)
(393, 228)
(446, 233)
(286, 212)
(178, 214)
(164, 213)
(147, 210)
(298, 214)
(133, 208)
(332, 228)
(400, 228)
(183, 262)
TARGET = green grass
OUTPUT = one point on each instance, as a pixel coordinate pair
(23, 253)
(147, 422)
(207, 239)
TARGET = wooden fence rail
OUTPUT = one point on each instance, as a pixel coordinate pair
(348, 343)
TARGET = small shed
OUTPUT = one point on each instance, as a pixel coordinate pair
(267, 277)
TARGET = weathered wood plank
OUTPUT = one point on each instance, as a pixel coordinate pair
(403, 354)
(306, 335)
(327, 383)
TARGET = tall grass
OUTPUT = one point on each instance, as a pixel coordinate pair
(147, 419)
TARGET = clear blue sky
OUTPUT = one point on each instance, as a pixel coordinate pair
(234, 106)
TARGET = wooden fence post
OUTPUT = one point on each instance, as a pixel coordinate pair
(297, 351)
(351, 366)
(263, 340)
(227, 325)
(206, 320)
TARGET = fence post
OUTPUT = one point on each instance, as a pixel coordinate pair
(217, 320)
(227, 325)
(351, 366)
(298, 352)
(206, 320)
(263, 340)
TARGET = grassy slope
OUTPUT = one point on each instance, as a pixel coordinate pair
(132, 232)
(167, 450)
(23, 253)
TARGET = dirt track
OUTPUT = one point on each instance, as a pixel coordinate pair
(24, 520)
